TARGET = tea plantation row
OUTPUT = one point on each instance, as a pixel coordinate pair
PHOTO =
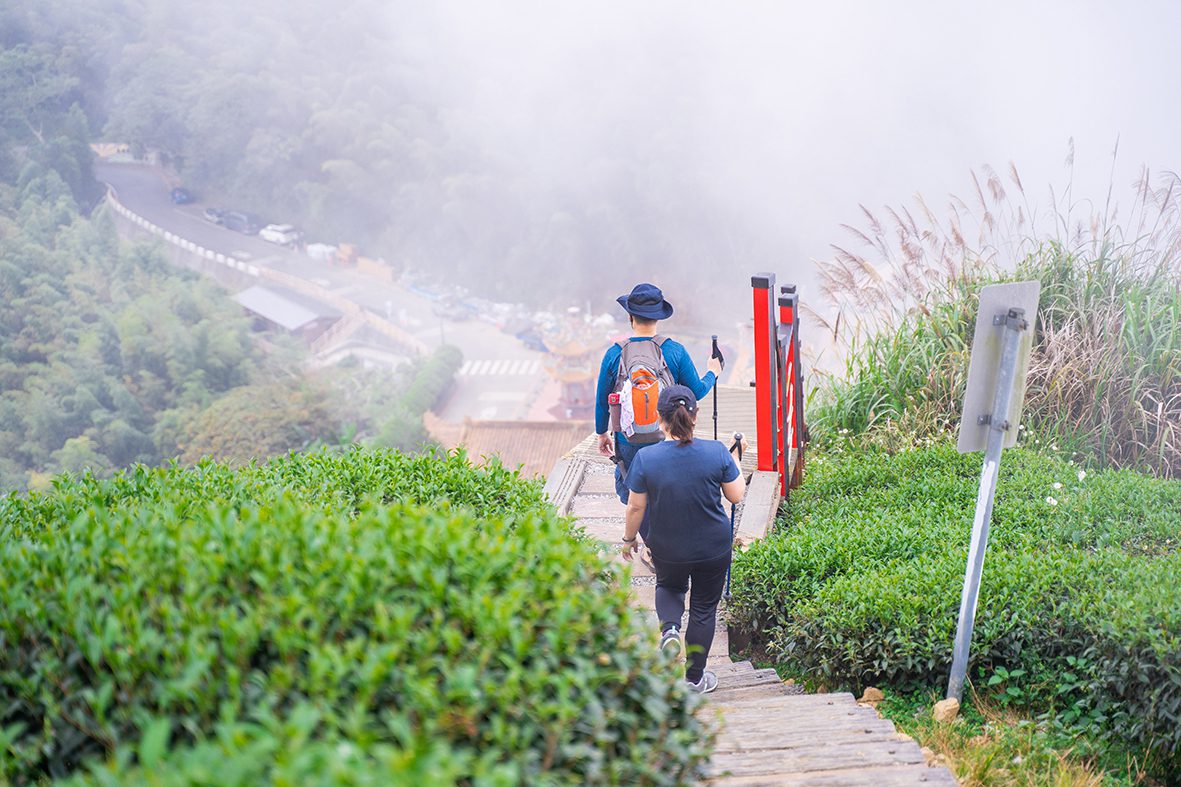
(1080, 607)
(367, 618)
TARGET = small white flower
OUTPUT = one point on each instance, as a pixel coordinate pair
(1054, 447)
(1051, 501)
(1057, 484)
(1081, 475)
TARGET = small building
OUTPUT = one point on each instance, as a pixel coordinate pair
(276, 308)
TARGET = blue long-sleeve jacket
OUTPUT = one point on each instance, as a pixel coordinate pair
(679, 363)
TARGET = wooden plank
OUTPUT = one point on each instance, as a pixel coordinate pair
(800, 701)
(822, 720)
(816, 758)
(747, 677)
(738, 666)
(883, 775)
(747, 740)
(775, 725)
(760, 507)
(727, 693)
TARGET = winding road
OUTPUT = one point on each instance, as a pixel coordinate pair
(501, 378)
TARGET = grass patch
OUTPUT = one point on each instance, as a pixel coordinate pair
(989, 745)
(1079, 623)
(1105, 371)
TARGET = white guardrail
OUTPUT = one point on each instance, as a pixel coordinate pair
(224, 259)
(293, 282)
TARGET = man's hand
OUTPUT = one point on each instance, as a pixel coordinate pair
(715, 366)
(630, 549)
(605, 444)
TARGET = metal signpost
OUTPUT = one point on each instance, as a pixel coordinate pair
(992, 411)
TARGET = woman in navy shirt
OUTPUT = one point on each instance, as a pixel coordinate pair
(677, 482)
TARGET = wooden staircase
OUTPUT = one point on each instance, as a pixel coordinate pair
(768, 733)
(768, 736)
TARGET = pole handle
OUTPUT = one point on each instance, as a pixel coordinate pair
(716, 352)
(737, 445)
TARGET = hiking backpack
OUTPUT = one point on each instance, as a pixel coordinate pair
(642, 375)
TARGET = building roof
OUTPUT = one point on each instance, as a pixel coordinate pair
(283, 307)
(535, 446)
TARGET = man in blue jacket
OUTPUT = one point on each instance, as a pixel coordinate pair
(645, 306)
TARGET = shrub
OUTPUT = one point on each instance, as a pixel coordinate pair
(363, 617)
(1080, 609)
(1105, 371)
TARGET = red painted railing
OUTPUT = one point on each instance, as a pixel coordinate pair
(779, 381)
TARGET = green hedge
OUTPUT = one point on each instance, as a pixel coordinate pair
(1080, 606)
(358, 618)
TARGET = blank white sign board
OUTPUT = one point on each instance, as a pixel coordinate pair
(996, 300)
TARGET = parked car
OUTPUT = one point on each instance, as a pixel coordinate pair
(181, 196)
(283, 234)
(532, 339)
(214, 215)
(237, 221)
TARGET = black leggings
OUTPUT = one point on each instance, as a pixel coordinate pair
(708, 577)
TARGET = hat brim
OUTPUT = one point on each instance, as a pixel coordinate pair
(660, 311)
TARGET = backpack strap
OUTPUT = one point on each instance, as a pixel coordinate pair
(622, 344)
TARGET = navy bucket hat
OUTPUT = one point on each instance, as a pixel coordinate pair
(646, 301)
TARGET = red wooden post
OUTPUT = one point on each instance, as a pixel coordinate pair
(766, 371)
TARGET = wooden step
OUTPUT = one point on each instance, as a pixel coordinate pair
(819, 756)
(736, 667)
(879, 776)
(790, 737)
(798, 701)
(747, 678)
(727, 693)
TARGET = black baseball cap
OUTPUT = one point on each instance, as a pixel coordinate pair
(676, 395)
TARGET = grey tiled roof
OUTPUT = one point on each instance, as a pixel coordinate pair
(283, 308)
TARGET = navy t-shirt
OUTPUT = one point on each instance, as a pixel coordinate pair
(684, 488)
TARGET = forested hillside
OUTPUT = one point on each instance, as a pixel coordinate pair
(108, 355)
(342, 123)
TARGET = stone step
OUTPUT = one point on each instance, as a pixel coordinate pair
(597, 507)
(598, 484)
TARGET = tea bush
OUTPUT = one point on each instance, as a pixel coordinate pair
(1080, 605)
(367, 617)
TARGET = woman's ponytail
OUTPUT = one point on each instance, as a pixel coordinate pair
(679, 424)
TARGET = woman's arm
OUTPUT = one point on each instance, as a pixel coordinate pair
(637, 503)
(735, 490)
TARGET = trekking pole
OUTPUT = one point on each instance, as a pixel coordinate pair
(721, 362)
(733, 507)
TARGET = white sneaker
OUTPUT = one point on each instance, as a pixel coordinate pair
(708, 683)
(670, 641)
